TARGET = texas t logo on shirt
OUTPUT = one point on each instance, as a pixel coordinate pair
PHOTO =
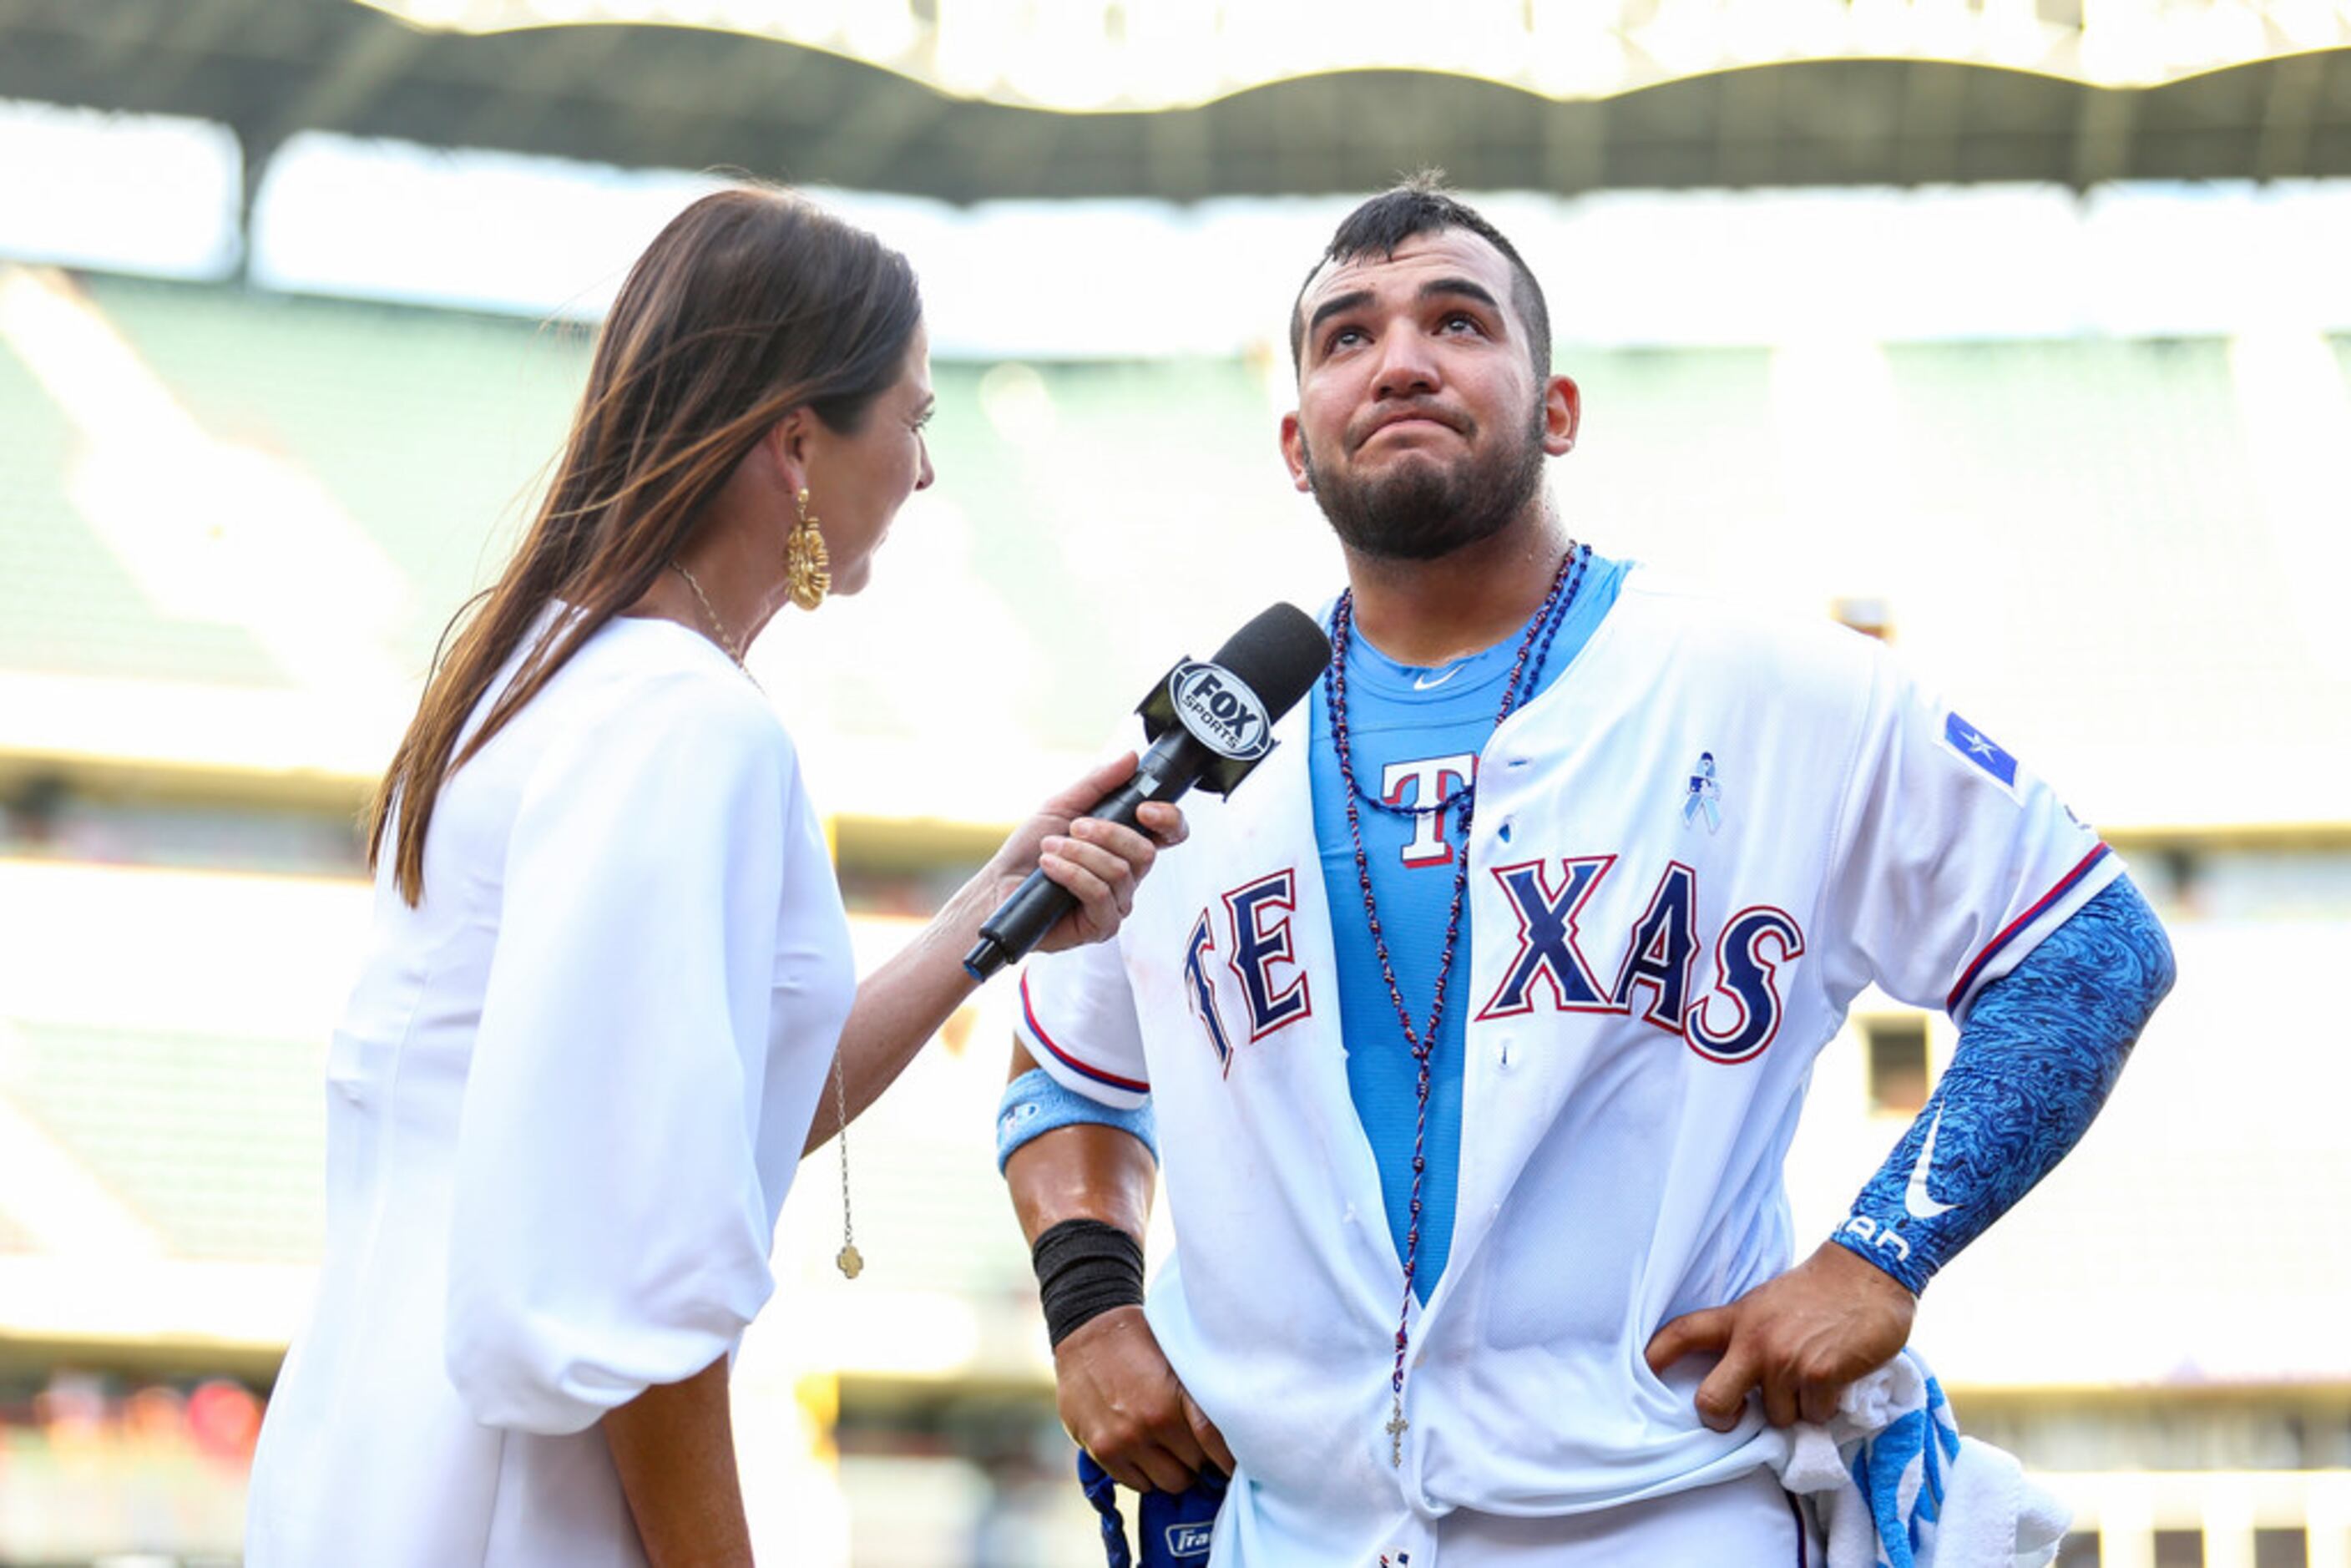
(1427, 783)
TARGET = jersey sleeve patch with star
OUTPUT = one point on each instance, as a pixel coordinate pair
(2036, 1058)
(1952, 858)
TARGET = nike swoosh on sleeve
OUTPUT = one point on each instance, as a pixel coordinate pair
(1915, 1195)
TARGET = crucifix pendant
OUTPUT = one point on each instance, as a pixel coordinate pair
(851, 1261)
(1396, 1430)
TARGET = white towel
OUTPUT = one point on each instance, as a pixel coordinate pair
(1895, 1486)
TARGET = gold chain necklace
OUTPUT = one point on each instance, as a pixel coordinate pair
(851, 1261)
(717, 627)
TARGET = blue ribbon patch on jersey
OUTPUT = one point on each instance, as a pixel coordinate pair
(1703, 793)
(1978, 748)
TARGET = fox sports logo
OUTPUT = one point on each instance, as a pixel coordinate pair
(1220, 710)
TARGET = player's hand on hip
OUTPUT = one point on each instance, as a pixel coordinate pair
(1122, 1402)
(1800, 1340)
(1100, 862)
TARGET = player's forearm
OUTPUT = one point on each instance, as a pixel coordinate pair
(2039, 1054)
(1087, 1171)
(674, 1447)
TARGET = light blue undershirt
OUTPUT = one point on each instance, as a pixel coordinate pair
(1398, 713)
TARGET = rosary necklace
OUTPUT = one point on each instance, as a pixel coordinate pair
(1526, 672)
(851, 1261)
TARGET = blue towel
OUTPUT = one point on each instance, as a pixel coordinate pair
(1173, 1527)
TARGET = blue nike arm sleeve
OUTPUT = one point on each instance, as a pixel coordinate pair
(2037, 1057)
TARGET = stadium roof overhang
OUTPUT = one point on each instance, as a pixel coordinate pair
(1652, 94)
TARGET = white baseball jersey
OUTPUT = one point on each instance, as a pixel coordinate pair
(1688, 855)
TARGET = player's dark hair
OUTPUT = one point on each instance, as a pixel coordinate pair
(1422, 205)
(750, 304)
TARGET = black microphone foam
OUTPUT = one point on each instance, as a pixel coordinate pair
(1280, 653)
(1203, 732)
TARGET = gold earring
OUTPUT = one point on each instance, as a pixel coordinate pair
(808, 574)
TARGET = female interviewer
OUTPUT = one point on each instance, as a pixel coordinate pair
(609, 967)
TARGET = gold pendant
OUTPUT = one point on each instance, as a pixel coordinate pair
(851, 1261)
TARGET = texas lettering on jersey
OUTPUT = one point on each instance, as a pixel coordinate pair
(1659, 960)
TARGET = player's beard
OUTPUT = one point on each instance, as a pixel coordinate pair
(1421, 510)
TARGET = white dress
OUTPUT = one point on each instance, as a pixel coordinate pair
(563, 1107)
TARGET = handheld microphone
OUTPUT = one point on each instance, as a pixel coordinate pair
(1209, 723)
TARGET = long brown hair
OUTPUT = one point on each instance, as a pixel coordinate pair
(750, 304)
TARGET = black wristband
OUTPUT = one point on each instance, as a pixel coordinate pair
(1084, 1268)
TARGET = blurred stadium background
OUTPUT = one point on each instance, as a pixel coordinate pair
(2019, 330)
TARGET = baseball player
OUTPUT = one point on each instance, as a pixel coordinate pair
(1471, 1032)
